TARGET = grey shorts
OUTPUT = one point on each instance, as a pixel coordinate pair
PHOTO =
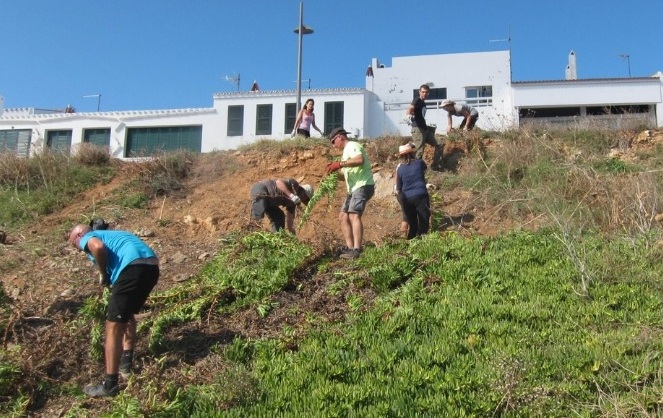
(356, 201)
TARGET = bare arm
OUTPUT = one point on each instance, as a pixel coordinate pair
(299, 119)
(410, 110)
(283, 188)
(98, 250)
(290, 221)
(449, 122)
(355, 161)
(314, 125)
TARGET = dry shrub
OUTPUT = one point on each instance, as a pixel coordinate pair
(214, 165)
(40, 170)
(163, 173)
(384, 148)
(89, 154)
(14, 170)
(633, 202)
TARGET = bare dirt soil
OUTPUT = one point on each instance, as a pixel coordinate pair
(48, 281)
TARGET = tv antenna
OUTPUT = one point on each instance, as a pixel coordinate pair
(627, 57)
(507, 39)
(233, 79)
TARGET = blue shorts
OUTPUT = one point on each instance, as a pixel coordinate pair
(356, 201)
(130, 291)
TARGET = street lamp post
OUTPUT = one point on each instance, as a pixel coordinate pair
(301, 30)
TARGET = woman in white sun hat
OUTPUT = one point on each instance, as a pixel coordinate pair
(412, 192)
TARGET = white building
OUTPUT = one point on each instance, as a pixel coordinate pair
(482, 80)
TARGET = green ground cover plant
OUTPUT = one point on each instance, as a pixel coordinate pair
(465, 327)
(559, 320)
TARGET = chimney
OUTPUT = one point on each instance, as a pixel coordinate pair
(571, 73)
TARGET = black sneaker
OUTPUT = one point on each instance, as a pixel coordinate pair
(99, 391)
(125, 370)
(125, 365)
(351, 253)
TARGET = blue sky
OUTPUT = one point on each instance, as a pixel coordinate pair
(163, 54)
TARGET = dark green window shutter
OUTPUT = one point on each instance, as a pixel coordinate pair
(333, 115)
(236, 120)
(16, 141)
(97, 137)
(290, 116)
(59, 141)
(264, 119)
(142, 142)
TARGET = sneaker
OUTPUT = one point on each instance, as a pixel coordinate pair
(125, 365)
(99, 391)
(351, 253)
(125, 370)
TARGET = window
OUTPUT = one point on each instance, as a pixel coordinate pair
(149, 141)
(59, 141)
(476, 92)
(97, 137)
(264, 119)
(16, 141)
(434, 95)
(236, 120)
(333, 116)
(290, 116)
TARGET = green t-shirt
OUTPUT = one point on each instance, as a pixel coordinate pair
(356, 177)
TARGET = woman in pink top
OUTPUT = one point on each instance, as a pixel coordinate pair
(305, 120)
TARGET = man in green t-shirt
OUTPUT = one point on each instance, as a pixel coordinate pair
(360, 187)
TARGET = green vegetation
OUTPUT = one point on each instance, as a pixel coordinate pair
(559, 317)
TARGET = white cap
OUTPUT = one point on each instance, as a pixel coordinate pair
(308, 189)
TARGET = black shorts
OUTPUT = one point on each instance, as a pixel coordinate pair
(131, 290)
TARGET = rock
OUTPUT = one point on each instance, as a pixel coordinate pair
(190, 220)
(178, 258)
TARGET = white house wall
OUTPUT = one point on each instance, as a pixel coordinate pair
(354, 102)
(393, 86)
(370, 112)
(623, 91)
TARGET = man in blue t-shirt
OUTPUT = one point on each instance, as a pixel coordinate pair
(131, 269)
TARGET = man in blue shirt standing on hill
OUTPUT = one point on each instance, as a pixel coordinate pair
(131, 269)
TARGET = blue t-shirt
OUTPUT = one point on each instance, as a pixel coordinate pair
(122, 248)
(410, 180)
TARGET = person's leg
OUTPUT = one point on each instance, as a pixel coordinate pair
(128, 344)
(462, 124)
(418, 141)
(276, 216)
(346, 229)
(438, 147)
(422, 210)
(258, 204)
(357, 229)
(113, 350)
(472, 121)
(356, 208)
(411, 215)
(404, 223)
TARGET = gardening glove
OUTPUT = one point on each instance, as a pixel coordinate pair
(295, 199)
(333, 167)
(293, 133)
